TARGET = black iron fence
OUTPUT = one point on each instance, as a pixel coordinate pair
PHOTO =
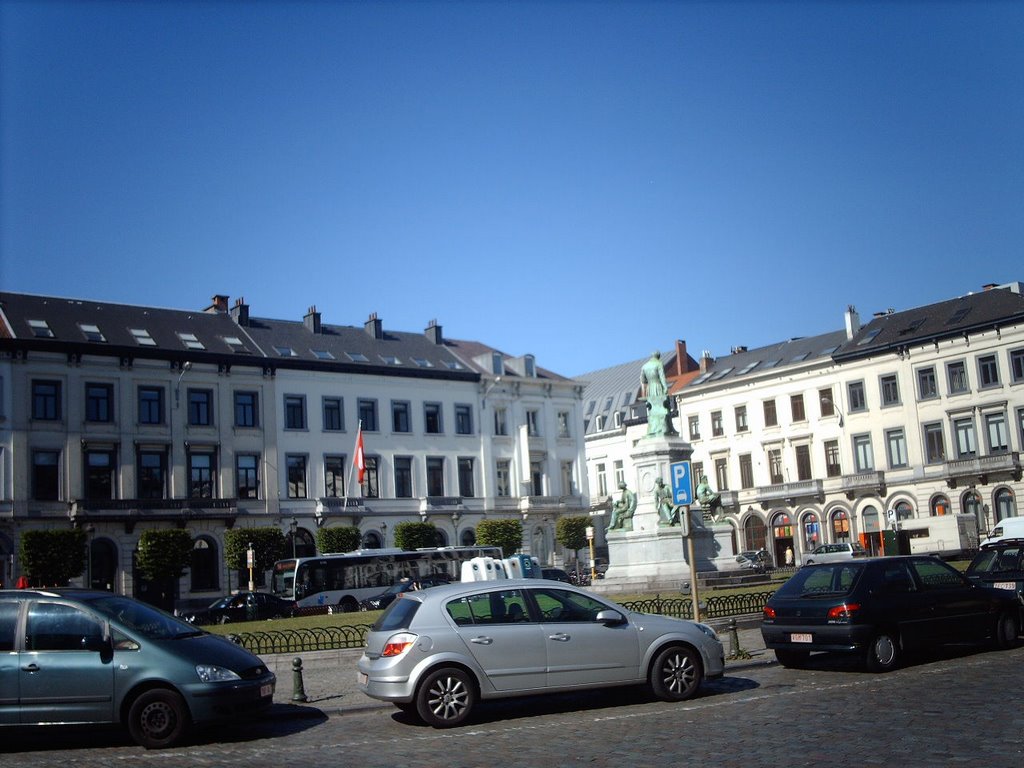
(354, 636)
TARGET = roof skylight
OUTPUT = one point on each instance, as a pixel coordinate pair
(40, 329)
(92, 332)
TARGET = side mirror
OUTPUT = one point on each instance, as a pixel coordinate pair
(610, 618)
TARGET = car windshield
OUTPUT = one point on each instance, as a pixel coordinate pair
(147, 621)
(822, 580)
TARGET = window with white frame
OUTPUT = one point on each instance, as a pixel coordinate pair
(602, 481)
(997, 432)
(934, 443)
(501, 421)
(966, 440)
(503, 477)
(533, 422)
(741, 418)
(717, 430)
(863, 457)
(896, 448)
(775, 466)
(694, 425)
(567, 483)
(563, 424)
(620, 473)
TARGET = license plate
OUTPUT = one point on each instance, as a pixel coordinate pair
(266, 690)
(1010, 585)
(363, 679)
(801, 637)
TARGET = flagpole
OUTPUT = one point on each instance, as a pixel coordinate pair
(352, 464)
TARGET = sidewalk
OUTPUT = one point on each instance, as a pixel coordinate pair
(329, 677)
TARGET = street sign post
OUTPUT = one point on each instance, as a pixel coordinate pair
(682, 482)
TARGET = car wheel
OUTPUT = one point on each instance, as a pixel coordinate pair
(883, 653)
(348, 605)
(791, 659)
(445, 698)
(1007, 629)
(158, 719)
(676, 673)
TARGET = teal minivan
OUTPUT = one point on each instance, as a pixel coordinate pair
(81, 656)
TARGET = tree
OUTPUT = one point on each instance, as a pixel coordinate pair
(344, 538)
(164, 554)
(507, 534)
(571, 533)
(52, 558)
(410, 535)
(269, 544)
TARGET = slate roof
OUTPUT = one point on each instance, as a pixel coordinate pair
(611, 390)
(472, 353)
(894, 331)
(82, 326)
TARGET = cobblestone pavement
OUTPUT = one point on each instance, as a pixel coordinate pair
(958, 708)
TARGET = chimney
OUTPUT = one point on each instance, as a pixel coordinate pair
(219, 304)
(852, 321)
(989, 286)
(374, 326)
(312, 320)
(433, 332)
(681, 358)
(737, 350)
(240, 312)
(705, 361)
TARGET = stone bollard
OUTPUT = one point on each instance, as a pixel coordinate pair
(298, 689)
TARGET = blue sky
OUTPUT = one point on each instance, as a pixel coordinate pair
(583, 181)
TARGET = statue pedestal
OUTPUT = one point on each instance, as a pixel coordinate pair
(653, 557)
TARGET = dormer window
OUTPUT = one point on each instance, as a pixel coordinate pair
(142, 337)
(236, 344)
(530, 366)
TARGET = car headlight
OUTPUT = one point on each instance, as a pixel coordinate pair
(211, 673)
(707, 631)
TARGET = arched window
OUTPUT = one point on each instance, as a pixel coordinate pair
(840, 526)
(939, 505)
(467, 538)
(371, 540)
(904, 511)
(970, 502)
(1005, 506)
(305, 545)
(755, 534)
(811, 530)
(205, 565)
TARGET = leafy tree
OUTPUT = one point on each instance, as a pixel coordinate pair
(52, 558)
(506, 533)
(345, 538)
(571, 533)
(269, 544)
(164, 554)
(410, 535)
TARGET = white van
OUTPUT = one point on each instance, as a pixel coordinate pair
(1007, 528)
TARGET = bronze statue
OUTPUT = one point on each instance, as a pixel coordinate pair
(622, 511)
(710, 501)
(654, 387)
(668, 513)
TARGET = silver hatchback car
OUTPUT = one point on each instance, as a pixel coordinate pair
(437, 653)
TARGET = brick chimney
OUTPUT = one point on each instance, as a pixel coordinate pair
(219, 303)
(706, 361)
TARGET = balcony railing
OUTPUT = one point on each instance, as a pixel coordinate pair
(980, 468)
(863, 483)
(131, 511)
(791, 493)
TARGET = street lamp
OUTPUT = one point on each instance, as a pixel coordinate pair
(455, 526)
(292, 528)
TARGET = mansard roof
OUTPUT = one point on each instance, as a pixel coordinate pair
(84, 327)
(992, 308)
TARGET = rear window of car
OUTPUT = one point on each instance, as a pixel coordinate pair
(398, 615)
(1003, 561)
(822, 580)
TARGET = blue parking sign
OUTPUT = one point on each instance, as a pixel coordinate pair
(682, 486)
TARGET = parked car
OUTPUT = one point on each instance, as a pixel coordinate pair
(754, 560)
(1001, 565)
(385, 598)
(241, 606)
(76, 656)
(555, 574)
(495, 639)
(880, 608)
(829, 553)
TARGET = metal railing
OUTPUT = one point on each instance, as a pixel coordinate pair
(354, 636)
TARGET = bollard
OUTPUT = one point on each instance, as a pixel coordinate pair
(298, 689)
(734, 642)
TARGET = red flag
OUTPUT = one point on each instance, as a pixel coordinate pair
(360, 460)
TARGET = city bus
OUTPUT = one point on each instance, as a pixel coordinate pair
(342, 580)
